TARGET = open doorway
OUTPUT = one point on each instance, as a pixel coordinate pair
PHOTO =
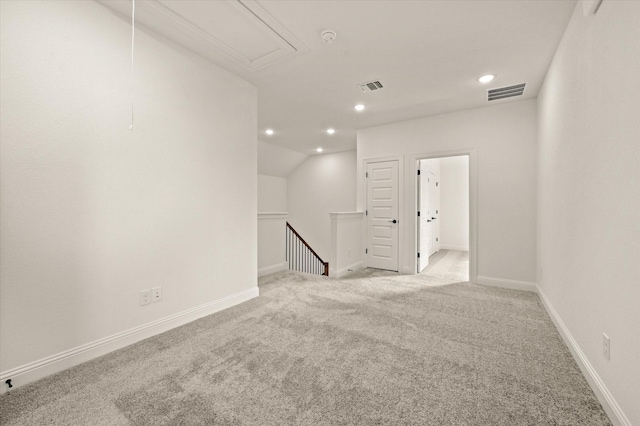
(443, 218)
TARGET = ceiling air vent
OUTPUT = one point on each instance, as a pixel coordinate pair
(505, 92)
(370, 86)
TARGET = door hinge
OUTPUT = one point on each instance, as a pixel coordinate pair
(436, 239)
(366, 251)
(418, 213)
(436, 211)
(418, 255)
(366, 174)
(418, 172)
(366, 212)
(437, 183)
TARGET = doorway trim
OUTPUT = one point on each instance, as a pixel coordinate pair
(473, 204)
(401, 188)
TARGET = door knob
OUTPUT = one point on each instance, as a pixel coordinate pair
(428, 221)
(433, 218)
(393, 221)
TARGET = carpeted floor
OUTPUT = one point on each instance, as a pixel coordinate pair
(450, 266)
(375, 348)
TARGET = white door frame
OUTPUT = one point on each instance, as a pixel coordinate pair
(473, 204)
(401, 224)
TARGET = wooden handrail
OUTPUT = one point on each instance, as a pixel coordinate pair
(310, 265)
(304, 242)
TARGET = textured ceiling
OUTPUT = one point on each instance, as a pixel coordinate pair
(427, 54)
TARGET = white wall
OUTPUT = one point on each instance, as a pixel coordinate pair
(91, 213)
(504, 139)
(347, 253)
(272, 194)
(589, 192)
(322, 184)
(271, 243)
(454, 203)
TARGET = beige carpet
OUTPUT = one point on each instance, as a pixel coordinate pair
(371, 349)
(451, 266)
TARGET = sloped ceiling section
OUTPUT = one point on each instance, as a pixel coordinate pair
(276, 161)
(238, 32)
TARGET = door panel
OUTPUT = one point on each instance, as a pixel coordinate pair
(429, 207)
(424, 221)
(382, 212)
(382, 232)
(382, 251)
(434, 213)
(431, 211)
(382, 193)
(382, 208)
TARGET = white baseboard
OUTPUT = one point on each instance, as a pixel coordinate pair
(504, 283)
(346, 270)
(609, 404)
(273, 269)
(44, 367)
(457, 248)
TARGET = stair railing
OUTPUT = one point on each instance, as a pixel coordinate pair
(301, 257)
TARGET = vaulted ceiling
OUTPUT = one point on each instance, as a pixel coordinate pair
(427, 54)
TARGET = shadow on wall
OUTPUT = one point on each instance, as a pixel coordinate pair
(322, 184)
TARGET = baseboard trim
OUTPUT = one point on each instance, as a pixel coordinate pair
(273, 269)
(457, 248)
(609, 404)
(505, 283)
(346, 270)
(44, 367)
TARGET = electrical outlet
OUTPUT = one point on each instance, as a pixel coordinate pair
(156, 294)
(606, 347)
(145, 297)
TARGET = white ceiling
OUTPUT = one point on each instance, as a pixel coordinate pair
(428, 55)
(276, 161)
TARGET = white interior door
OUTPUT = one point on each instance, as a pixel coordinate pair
(423, 221)
(435, 213)
(382, 215)
(432, 213)
(429, 208)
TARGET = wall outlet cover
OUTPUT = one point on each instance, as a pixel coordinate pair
(156, 294)
(145, 297)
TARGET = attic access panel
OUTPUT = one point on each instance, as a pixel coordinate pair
(239, 32)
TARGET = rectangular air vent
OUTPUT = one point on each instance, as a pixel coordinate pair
(505, 92)
(371, 86)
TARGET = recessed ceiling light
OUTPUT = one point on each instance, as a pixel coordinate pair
(330, 131)
(359, 107)
(318, 149)
(269, 131)
(486, 78)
